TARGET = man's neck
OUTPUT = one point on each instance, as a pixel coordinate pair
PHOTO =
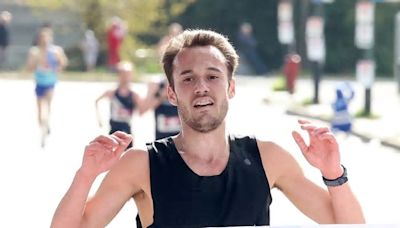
(123, 87)
(205, 147)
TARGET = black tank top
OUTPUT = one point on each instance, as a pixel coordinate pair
(121, 109)
(239, 196)
(167, 120)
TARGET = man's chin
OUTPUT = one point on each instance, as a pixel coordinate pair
(205, 126)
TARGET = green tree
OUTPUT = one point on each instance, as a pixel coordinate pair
(225, 16)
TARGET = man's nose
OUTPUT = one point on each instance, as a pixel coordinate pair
(201, 87)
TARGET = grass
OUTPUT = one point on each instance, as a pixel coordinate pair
(307, 101)
(279, 84)
(362, 114)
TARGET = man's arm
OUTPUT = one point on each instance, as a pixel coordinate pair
(155, 94)
(62, 58)
(104, 95)
(117, 187)
(31, 59)
(338, 204)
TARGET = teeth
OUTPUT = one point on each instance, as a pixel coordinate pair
(201, 103)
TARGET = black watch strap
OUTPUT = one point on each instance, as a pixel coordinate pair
(338, 181)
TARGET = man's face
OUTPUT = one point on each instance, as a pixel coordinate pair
(201, 90)
(45, 37)
(125, 76)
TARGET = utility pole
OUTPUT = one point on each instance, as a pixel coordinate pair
(364, 39)
(285, 25)
(316, 44)
(397, 50)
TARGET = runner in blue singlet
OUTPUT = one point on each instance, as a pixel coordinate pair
(46, 61)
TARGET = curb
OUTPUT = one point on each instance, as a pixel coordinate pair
(364, 137)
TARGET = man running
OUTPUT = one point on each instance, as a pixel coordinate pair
(166, 116)
(204, 177)
(46, 60)
(123, 100)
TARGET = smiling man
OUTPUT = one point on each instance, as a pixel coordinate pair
(203, 176)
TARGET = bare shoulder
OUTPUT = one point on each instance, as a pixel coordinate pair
(109, 93)
(58, 48)
(33, 51)
(135, 94)
(134, 159)
(133, 169)
(135, 156)
(277, 161)
(272, 151)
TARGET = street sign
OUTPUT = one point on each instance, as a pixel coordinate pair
(285, 22)
(315, 39)
(397, 50)
(322, 1)
(364, 30)
(285, 11)
(365, 72)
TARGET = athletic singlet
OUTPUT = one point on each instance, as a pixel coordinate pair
(46, 75)
(167, 120)
(121, 108)
(239, 196)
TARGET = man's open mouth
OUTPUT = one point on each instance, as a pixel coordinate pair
(203, 103)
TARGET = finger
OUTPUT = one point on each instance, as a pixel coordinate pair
(300, 141)
(321, 130)
(123, 143)
(303, 121)
(327, 136)
(106, 140)
(124, 136)
(308, 127)
(310, 130)
(96, 147)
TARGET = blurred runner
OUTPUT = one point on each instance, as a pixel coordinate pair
(90, 50)
(46, 60)
(123, 101)
(165, 114)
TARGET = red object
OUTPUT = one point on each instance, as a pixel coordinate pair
(291, 70)
(114, 40)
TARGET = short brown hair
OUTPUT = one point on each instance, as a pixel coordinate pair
(196, 38)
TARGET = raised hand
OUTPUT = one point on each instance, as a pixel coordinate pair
(103, 152)
(322, 151)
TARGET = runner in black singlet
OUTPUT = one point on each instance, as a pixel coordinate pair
(203, 177)
(166, 116)
(123, 101)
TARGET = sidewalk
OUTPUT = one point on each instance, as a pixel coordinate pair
(385, 104)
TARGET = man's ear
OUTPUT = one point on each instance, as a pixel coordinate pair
(232, 88)
(171, 96)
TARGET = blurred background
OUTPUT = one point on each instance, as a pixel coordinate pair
(334, 62)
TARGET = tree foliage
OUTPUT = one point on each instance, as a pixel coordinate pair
(148, 21)
(226, 15)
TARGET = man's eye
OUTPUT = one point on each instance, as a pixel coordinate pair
(212, 77)
(187, 79)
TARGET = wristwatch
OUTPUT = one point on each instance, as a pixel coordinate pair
(338, 181)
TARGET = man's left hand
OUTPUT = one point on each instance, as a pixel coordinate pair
(322, 151)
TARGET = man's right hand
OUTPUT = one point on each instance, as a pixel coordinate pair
(103, 152)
